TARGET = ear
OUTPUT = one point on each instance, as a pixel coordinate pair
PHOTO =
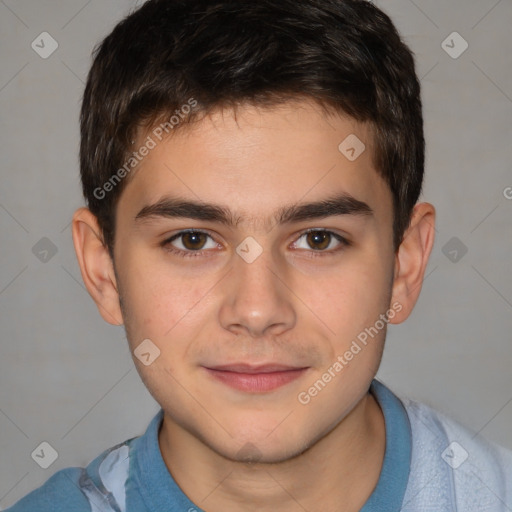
(96, 265)
(411, 260)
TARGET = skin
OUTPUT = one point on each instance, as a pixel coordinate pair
(294, 305)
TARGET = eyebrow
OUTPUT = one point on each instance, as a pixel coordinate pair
(172, 207)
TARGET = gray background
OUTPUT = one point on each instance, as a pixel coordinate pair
(67, 377)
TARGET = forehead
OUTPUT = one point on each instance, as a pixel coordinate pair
(253, 160)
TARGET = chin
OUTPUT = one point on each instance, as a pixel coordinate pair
(265, 445)
(269, 453)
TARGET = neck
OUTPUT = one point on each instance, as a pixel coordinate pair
(340, 470)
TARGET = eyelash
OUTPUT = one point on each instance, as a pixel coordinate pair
(166, 244)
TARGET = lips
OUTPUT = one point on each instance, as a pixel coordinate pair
(247, 368)
(255, 378)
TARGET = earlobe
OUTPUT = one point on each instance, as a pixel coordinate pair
(96, 265)
(412, 258)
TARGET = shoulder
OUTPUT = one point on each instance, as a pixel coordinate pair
(453, 466)
(429, 424)
(83, 489)
(59, 492)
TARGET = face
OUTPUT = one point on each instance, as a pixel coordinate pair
(255, 256)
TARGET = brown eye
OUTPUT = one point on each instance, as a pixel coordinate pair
(318, 240)
(190, 243)
(321, 242)
(194, 240)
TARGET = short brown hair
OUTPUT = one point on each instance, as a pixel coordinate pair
(344, 54)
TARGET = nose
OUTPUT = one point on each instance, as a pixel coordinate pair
(256, 301)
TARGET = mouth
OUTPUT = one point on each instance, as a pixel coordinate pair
(255, 379)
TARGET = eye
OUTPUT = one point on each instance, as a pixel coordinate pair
(186, 243)
(321, 240)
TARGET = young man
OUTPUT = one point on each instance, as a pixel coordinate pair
(252, 172)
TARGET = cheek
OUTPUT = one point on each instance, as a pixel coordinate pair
(157, 300)
(352, 298)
